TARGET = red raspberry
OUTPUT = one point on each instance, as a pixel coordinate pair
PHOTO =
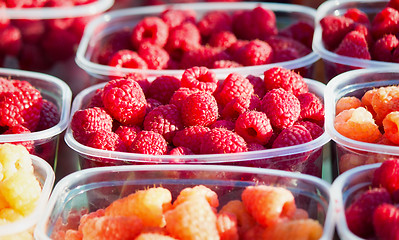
(359, 214)
(354, 45)
(282, 108)
(127, 59)
(226, 64)
(292, 136)
(258, 85)
(183, 38)
(181, 151)
(190, 137)
(384, 48)
(151, 104)
(203, 56)
(110, 45)
(181, 94)
(31, 58)
(149, 142)
(32, 30)
(366, 31)
(4, 20)
(106, 140)
(164, 120)
(314, 129)
(312, 107)
(385, 22)
(90, 120)
(96, 100)
(127, 134)
(223, 39)
(150, 29)
(199, 78)
(236, 46)
(254, 126)
(357, 15)
(19, 129)
(301, 31)
(233, 86)
(214, 21)
(334, 29)
(125, 101)
(258, 23)
(227, 124)
(238, 106)
(281, 45)
(386, 221)
(175, 17)
(155, 56)
(199, 109)
(59, 45)
(255, 52)
(393, 4)
(255, 147)
(49, 116)
(221, 140)
(163, 88)
(6, 85)
(11, 40)
(278, 77)
(387, 175)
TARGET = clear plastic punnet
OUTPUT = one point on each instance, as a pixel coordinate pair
(91, 189)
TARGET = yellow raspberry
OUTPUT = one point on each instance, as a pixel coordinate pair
(149, 205)
(308, 229)
(14, 158)
(227, 226)
(244, 220)
(384, 101)
(367, 98)
(196, 192)
(9, 215)
(357, 124)
(21, 191)
(346, 103)
(26, 235)
(350, 160)
(153, 236)
(391, 124)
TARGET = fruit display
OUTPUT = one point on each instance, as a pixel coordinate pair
(357, 34)
(167, 39)
(187, 202)
(198, 118)
(23, 191)
(368, 209)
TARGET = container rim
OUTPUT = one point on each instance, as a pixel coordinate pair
(64, 184)
(24, 224)
(96, 69)
(329, 102)
(66, 98)
(318, 46)
(93, 8)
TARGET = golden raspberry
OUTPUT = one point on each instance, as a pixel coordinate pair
(346, 103)
(244, 220)
(14, 158)
(391, 124)
(197, 192)
(384, 101)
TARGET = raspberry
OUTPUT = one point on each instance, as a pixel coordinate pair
(106, 140)
(199, 191)
(89, 120)
(4, 20)
(151, 104)
(240, 105)
(192, 219)
(384, 100)
(220, 140)
(11, 40)
(345, 103)
(384, 47)
(258, 23)
(127, 59)
(222, 39)
(233, 86)
(225, 64)
(236, 208)
(149, 142)
(155, 56)
(281, 107)
(255, 52)
(301, 31)
(386, 175)
(96, 100)
(254, 126)
(267, 204)
(153, 236)
(118, 40)
(199, 109)
(175, 17)
(199, 78)
(258, 85)
(163, 88)
(334, 29)
(31, 29)
(181, 151)
(49, 116)
(291, 136)
(181, 94)
(183, 38)
(19, 129)
(190, 137)
(150, 29)
(312, 107)
(314, 129)
(147, 204)
(59, 45)
(278, 77)
(385, 22)
(357, 124)
(390, 127)
(357, 15)
(110, 227)
(164, 120)
(125, 101)
(360, 212)
(255, 147)
(226, 224)
(214, 21)
(30, 58)
(279, 44)
(127, 134)
(227, 124)
(203, 56)
(385, 221)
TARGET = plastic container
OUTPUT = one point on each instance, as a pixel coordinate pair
(114, 21)
(45, 142)
(356, 83)
(45, 175)
(96, 188)
(344, 189)
(305, 158)
(45, 27)
(335, 64)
